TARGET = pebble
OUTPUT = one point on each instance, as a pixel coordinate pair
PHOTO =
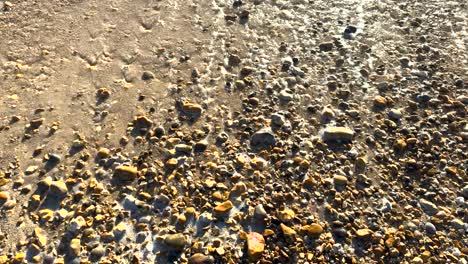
(4, 196)
(31, 169)
(430, 229)
(260, 212)
(428, 207)
(278, 119)
(41, 237)
(76, 224)
(255, 245)
(126, 173)
(395, 114)
(176, 241)
(286, 215)
(380, 102)
(465, 191)
(58, 188)
(457, 224)
(364, 233)
(263, 139)
(75, 246)
(361, 164)
(313, 230)
(199, 258)
(286, 96)
(54, 158)
(147, 75)
(338, 134)
(192, 110)
(98, 252)
(340, 180)
(326, 46)
(223, 208)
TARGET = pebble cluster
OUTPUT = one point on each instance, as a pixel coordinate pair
(315, 132)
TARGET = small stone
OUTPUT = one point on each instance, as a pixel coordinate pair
(58, 188)
(120, 230)
(400, 144)
(364, 233)
(76, 224)
(340, 180)
(360, 164)
(147, 75)
(40, 235)
(47, 215)
(287, 231)
(4, 196)
(263, 139)
(465, 191)
(428, 207)
(234, 60)
(255, 245)
(457, 224)
(327, 114)
(30, 170)
(36, 123)
(277, 119)
(19, 257)
(200, 146)
(142, 122)
(103, 93)
(223, 208)
(199, 258)
(260, 212)
(313, 230)
(98, 252)
(126, 173)
(338, 133)
(430, 228)
(54, 158)
(103, 153)
(75, 246)
(176, 241)
(3, 259)
(326, 46)
(286, 215)
(380, 101)
(192, 110)
(395, 114)
(285, 95)
(183, 148)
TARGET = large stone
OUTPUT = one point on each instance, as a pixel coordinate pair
(255, 245)
(338, 133)
(263, 139)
